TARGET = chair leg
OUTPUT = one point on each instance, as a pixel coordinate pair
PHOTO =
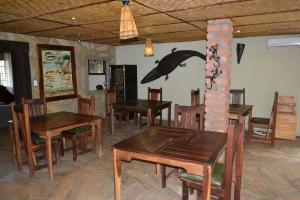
(191, 191)
(185, 189)
(58, 145)
(199, 195)
(141, 120)
(62, 148)
(160, 119)
(163, 176)
(31, 158)
(135, 118)
(250, 131)
(74, 143)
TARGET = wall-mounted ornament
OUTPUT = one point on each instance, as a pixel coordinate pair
(239, 51)
(215, 72)
(169, 63)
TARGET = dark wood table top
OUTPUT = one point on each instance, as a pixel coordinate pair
(59, 120)
(240, 109)
(192, 146)
(141, 105)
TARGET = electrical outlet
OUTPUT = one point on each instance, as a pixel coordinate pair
(35, 83)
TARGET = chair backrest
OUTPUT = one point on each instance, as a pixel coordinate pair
(21, 122)
(154, 94)
(189, 116)
(234, 151)
(195, 97)
(86, 105)
(237, 96)
(110, 98)
(37, 107)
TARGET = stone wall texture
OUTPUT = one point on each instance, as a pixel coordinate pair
(83, 51)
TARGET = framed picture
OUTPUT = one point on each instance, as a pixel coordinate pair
(57, 72)
(96, 67)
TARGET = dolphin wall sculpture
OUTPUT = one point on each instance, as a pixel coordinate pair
(169, 63)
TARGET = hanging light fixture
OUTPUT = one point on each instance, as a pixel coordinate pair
(148, 51)
(127, 25)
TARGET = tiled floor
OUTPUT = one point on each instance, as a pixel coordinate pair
(269, 173)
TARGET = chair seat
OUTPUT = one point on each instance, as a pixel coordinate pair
(260, 120)
(78, 130)
(217, 176)
(38, 140)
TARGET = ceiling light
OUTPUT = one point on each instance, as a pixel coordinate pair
(73, 18)
(148, 51)
(238, 31)
(127, 25)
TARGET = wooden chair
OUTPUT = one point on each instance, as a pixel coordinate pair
(32, 142)
(195, 97)
(266, 126)
(222, 173)
(237, 96)
(188, 119)
(85, 106)
(153, 95)
(110, 99)
(37, 107)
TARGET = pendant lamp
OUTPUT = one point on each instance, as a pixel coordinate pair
(148, 51)
(127, 25)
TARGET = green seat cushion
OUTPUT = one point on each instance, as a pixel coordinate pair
(260, 120)
(38, 140)
(217, 176)
(78, 130)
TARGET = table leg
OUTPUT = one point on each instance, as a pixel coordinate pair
(149, 117)
(100, 138)
(49, 155)
(112, 121)
(135, 118)
(249, 126)
(94, 148)
(117, 174)
(169, 115)
(238, 169)
(207, 183)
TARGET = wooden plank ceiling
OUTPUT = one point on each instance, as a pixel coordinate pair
(97, 21)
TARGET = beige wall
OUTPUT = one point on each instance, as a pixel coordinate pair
(83, 51)
(262, 72)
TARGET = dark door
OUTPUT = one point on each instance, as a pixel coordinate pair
(130, 82)
(20, 67)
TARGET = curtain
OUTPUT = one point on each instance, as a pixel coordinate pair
(8, 72)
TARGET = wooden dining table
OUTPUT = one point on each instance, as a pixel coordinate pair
(193, 150)
(55, 123)
(140, 106)
(239, 110)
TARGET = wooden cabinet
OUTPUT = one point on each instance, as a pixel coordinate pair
(123, 79)
(286, 121)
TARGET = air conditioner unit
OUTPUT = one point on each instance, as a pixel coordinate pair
(284, 42)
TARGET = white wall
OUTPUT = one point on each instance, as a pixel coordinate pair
(262, 72)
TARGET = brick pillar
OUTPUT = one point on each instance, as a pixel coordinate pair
(219, 32)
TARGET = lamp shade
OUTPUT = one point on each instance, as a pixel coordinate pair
(148, 51)
(127, 25)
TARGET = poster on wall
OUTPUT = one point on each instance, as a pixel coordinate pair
(96, 67)
(57, 72)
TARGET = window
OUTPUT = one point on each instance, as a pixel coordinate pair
(3, 75)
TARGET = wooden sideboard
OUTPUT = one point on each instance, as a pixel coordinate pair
(286, 121)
